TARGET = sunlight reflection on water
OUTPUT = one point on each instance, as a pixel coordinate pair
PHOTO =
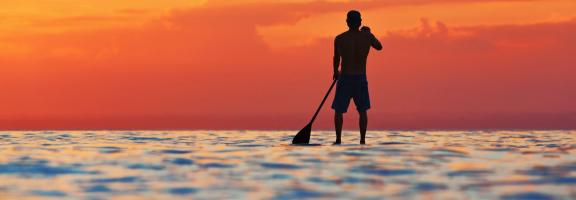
(262, 165)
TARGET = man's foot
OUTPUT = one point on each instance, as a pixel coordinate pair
(362, 142)
(337, 142)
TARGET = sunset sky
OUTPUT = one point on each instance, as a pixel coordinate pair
(256, 64)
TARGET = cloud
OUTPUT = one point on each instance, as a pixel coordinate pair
(395, 17)
(132, 11)
(490, 70)
(82, 22)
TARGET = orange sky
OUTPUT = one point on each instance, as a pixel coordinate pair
(213, 64)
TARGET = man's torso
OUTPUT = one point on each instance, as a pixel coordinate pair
(353, 47)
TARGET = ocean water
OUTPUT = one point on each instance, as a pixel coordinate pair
(263, 165)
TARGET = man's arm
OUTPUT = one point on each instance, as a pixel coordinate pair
(336, 60)
(373, 40)
(375, 43)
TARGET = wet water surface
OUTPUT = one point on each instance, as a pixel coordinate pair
(262, 165)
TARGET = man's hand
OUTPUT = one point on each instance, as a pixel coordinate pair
(365, 29)
(336, 75)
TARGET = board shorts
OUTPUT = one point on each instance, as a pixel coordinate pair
(351, 87)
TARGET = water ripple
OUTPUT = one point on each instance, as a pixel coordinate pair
(264, 165)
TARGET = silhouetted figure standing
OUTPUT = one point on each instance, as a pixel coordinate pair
(352, 48)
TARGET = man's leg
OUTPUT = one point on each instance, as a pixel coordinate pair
(363, 122)
(338, 125)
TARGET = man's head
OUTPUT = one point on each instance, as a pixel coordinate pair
(354, 19)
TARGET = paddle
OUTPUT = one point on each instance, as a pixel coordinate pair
(303, 137)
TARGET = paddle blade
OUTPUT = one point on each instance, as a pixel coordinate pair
(303, 137)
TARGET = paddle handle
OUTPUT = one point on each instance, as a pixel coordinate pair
(323, 100)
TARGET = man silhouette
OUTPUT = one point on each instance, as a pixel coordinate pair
(352, 47)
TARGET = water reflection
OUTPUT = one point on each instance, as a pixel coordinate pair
(262, 165)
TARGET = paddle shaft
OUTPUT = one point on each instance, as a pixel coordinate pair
(323, 100)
